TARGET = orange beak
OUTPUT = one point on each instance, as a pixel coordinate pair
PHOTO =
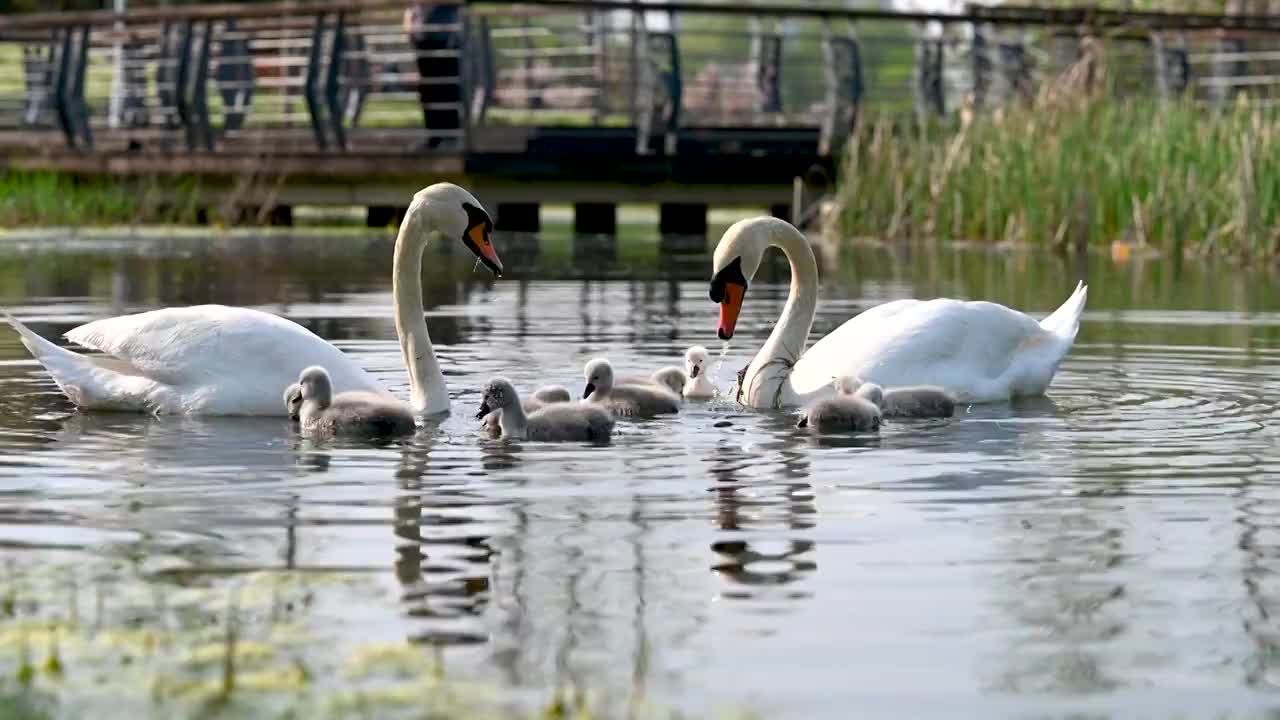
(478, 240)
(729, 309)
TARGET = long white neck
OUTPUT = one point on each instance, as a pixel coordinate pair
(513, 421)
(766, 382)
(428, 393)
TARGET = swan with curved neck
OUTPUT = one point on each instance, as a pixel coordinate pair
(220, 360)
(976, 351)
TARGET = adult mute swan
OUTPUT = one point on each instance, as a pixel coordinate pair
(219, 360)
(975, 351)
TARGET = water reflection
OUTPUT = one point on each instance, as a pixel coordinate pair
(775, 505)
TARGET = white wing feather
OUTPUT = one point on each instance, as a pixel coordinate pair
(209, 359)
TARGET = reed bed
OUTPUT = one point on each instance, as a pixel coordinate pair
(1073, 165)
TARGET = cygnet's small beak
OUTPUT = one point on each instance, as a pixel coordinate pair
(693, 371)
(586, 392)
(484, 410)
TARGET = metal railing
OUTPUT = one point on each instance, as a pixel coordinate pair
(378, 77)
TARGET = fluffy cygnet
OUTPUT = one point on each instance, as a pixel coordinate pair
(916, 401)
(542, 397)
(557, 422)
(846, 411)
(293, 400)
(698, 386)
(626, 400)
(670, 377)
(347, 413)
(546, 395)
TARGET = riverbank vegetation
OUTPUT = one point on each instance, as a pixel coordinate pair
(49, 198)
(1073, 167)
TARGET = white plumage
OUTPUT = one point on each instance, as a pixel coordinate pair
(219, 360)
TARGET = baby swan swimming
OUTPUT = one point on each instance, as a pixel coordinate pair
(846, 411)
(670, 377)
(348, 413)
(556, 422)
(697, 386)
(625, 400)
(546, 395)
(293, 401)
(916, 401)
(688, 382)
(542, 397)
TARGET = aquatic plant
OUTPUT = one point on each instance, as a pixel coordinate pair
(107, 642)
(1074, 165)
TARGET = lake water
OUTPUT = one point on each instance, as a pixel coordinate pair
(1110, 550)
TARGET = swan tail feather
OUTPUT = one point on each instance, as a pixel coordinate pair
(85, 383)
(1065, 321)
(39, 347)
(62, 364)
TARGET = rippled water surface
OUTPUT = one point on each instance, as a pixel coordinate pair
(1110, 550)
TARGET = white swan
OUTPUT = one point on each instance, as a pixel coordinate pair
(219, 360)
(974, 351)
(351, 413)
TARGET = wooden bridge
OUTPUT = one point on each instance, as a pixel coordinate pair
(361, 102)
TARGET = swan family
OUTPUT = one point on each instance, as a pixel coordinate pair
(906, 358)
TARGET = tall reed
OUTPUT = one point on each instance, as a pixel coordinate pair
(1073, 164)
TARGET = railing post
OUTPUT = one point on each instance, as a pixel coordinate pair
(844, 91)
(310, 91)
(198, 130)
(181, 76)
(929, 81)
(463, 35)
(1015, 66)
(769, 73)
(1172, 68)
(831, 88)
(856, 86)
(633, 75)
(646, 90)
(488, 75)
(235, 66)
(981, 65)
(60, 88)
(68, 95)
(675, 92)
(79, 109)
(331, 85)
(38, 68)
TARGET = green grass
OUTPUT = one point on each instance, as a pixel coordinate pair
(48, 198)
(1072, 168)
